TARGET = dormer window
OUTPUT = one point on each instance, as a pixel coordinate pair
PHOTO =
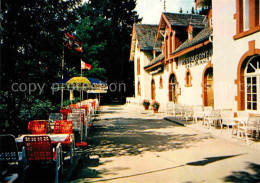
(190, 32)
(190, 36)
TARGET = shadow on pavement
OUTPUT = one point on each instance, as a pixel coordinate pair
(209, 160)
(125, 136)
(252, 176)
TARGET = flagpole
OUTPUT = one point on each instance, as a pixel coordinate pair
(62, 76)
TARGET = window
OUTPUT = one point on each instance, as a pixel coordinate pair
(252, 79)
(138, 66)
(190, 32)
(166, 47)
(190, 35)
(161, 82)
(138, 88)
(246, 15)
(188, 79)
(247, 18)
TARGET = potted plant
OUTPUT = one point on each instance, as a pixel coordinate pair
(146, 104)
(155, 106)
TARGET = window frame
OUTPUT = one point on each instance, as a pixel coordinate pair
(255, 74)
(254, 25)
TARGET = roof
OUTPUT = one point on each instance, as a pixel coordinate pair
(200, 37)
(146, 36)
(182, 19)
(155, 60)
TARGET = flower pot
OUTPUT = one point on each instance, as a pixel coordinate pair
(146, 107)
(155, 110)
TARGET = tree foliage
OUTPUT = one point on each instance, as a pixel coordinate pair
(31, 52)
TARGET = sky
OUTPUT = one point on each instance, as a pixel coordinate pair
(151, 10)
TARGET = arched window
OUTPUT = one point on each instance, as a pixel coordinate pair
(161, 82)
(138, 66)
(188, 78)
(153, 90)
(252, 84)
(138, 88)
(172, 88)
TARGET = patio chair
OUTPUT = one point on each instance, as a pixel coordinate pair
(197, 113)
(213, 118)
(65, 127)
(54, 117)
(65, 113)
(39, 149)
(74, 106)
(62, 127)
(187, 112)
(38, 127)
(227, 119)
(12, 167)
(77, 125)
(249, 127)
(169, 108)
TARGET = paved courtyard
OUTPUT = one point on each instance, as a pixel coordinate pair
(128, 144)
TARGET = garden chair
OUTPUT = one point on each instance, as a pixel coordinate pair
(77, 125)
(65, 127)
(38, 127)
(169, 108)
(249, 127)
(197, 113)
(65, 113)
(74, 106)
(39, 149)
(213, 118)
(54, 117)
(187, 112)
(12, 166)
(227, 119)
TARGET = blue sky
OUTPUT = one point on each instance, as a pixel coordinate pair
(151, 10)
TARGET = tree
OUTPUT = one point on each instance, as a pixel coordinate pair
(31, 46)
(181, 10)
(122, 16)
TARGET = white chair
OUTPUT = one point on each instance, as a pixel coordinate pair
(248, 127)
(198, 113)
(213, 118)
(227, 119)
(77, 124)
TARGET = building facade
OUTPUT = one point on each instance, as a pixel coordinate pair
(190, 68)
(236, 57)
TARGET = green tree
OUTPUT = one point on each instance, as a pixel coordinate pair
(31, 52)
(122, 16)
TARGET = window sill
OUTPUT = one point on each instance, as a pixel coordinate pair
(247, 33)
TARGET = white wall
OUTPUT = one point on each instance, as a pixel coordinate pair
(227, 52)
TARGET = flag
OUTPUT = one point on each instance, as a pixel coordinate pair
(73, 43)
(85, 65)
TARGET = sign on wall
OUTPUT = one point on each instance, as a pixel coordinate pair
(196, 59)
(157, 70)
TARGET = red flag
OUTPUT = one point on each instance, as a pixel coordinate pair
(73, 43)
(85, 65)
